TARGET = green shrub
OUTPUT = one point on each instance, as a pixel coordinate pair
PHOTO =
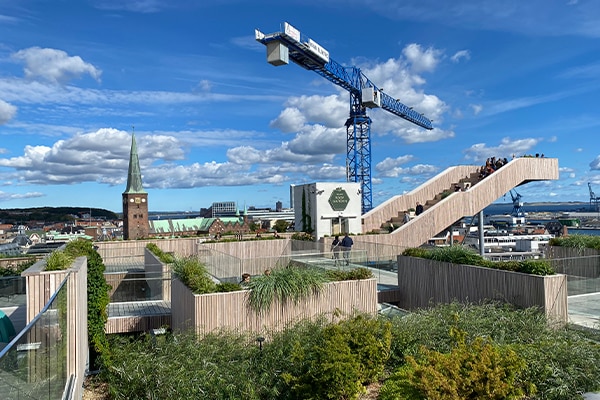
(223, 365)
(289, 284)
(465, 256)
(166, 258)
(578, 242)
(562, 363)
(321, 360)
(4, 272)
(342, 358)
(349, 275)
(223, 287)
(304, 236)
(58, 260)
(479, 369)
(97, 301)
(194, 275)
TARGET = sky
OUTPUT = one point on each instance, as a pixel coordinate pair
(213, 121)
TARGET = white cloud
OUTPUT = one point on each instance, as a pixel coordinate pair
(595, 164)
(507, 148)
(289, 120)
(54, 66)
(140, 6)
(204, 86)
(462, 54)
(407, 173)
(422, 60)
(389, 163)
(476, 108)
(327, 110)
(4, 196)
(533, 17)
(7, 112)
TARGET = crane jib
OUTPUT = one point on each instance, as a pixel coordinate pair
(289, 45)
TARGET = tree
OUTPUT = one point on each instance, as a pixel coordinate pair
(281, 225)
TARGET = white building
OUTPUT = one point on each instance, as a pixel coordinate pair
(327, 208)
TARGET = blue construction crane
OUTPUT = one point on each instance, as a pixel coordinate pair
(290, 45)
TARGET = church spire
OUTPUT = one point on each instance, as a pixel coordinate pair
(134, 176)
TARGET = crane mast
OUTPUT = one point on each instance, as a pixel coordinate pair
(289, 45)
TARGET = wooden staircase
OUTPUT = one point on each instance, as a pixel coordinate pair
(443, 206)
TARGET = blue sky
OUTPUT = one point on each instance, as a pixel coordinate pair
(215, 122)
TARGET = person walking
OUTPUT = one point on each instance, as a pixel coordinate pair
(335, 248)
(347, 243)
(406, 217)
(419, 208)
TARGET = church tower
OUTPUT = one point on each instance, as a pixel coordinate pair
(135, 200)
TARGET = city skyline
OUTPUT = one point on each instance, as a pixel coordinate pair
(215, 122)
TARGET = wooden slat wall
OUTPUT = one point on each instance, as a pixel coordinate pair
(457, 205)
(158, 275)
(206, 313)
(135, 248)
(41, 286)
(77, 335)
(138, 323)
(575, 262)
(424, 282)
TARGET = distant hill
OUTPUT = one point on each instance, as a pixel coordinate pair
(52, 214)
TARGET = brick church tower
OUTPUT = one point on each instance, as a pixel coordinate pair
(135, 200)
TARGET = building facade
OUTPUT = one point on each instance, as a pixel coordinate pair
(135, 200)
(327, 208)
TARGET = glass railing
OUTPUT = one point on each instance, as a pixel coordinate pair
(583, 288)
(12, 291)
(222, 266)
(34, 364)
(139, 286)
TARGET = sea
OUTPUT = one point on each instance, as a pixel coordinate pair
(556, 208)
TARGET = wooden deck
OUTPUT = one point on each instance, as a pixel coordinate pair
(138, 316)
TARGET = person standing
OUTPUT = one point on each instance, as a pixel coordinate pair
(245, 279)
(347, 243)
(419, 208)
(406, 217)
(335, 248)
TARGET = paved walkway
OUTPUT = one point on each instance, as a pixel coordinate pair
(584, 310)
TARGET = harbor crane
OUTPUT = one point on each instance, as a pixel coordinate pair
(291, 45)
(517, 210)
(594, 200)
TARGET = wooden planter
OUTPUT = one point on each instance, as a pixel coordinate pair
(208, 312)
(423, 283)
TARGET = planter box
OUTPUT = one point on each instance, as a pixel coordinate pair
(425, 282)
(208, 312)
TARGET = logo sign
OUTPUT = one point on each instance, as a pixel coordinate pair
(339, 199)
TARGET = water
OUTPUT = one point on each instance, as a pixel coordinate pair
(506, 208)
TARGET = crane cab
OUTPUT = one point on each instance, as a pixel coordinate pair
(371, 97)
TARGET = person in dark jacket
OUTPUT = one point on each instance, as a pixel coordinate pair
(336, 246)
(346, 244)
(419, 208)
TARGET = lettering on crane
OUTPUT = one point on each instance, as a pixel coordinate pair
(291, 31)
(317, 49)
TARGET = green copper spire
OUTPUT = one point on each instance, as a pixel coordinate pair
(134, 176)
